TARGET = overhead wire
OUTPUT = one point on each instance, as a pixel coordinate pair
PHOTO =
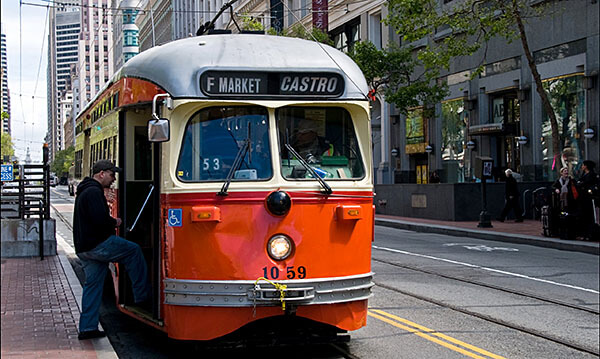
(325, 51)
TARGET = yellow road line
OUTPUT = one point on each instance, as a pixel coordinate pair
(430, 333)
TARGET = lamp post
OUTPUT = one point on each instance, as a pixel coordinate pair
(428, 149)
(486, 165)
(588, 134)
(471, 147)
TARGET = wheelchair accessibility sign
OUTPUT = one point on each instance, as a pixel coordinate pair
(174, 217)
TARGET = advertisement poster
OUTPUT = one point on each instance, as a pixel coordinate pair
(415, 132)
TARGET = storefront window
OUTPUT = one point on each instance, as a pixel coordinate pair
(567, 98)
(454, 131)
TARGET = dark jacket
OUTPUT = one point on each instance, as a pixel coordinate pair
(588, 185)
(511, 188)
(92, 223)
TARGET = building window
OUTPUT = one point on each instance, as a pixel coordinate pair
(345, 36)
(454, 128)
(567, 97)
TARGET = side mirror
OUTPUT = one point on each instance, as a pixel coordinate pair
(158, 130)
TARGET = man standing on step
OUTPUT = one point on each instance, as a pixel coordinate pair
(97, 245)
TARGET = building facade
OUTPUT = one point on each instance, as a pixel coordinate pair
(499, 114)
(163, 21)
(62, 54)
(95, 64)
(125, 32)
(4, 81)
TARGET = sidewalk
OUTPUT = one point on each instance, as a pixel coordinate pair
(40, 310)
(527, 232)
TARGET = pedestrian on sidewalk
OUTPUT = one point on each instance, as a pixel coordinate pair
(97, 245)
(511, 195)
(589, 189)
(565, 188)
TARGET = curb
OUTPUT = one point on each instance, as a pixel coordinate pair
(103, 347)
(575, 246)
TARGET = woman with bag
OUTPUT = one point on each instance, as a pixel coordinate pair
(565, 188)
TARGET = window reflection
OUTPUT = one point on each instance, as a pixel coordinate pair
(567, 98)
(213, 138)
(454, 127)
(324, 137)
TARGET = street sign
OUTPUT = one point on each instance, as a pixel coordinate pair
(7, 173)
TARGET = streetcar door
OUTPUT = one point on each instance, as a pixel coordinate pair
(138, 205)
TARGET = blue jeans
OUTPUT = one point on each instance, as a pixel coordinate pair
(95, 265)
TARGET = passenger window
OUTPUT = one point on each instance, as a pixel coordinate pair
(215, 136)
(324, 137)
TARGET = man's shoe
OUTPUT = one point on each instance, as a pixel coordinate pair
(519, 220)
(91, 334)
(500, 220)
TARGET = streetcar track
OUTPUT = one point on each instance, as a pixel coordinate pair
(488, 318)
(491, 286)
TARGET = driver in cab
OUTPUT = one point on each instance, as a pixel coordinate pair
(309, 144)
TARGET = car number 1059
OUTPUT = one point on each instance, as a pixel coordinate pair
(290, 272)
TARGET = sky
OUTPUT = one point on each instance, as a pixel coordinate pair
(28, 102)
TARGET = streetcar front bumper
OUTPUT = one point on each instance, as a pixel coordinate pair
(245, 293)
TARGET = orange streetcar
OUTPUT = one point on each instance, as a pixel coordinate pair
(247, 182)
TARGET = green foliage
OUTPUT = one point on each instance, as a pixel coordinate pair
(62, 161)
(300, 32)
(8, 148)
(251, 24)
(392, 71)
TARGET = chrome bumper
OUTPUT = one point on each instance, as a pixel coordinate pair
(245, 293)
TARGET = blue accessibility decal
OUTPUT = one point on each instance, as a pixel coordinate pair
(174, 217)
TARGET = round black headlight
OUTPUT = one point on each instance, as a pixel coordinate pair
(279, 203)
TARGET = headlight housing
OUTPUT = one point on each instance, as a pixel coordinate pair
(280, 247)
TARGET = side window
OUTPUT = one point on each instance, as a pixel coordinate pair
(324, 137)
(216, 136)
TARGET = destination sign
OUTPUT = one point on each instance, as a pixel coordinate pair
(266, 84)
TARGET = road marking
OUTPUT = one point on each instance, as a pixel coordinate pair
(430, 335)
(481, 247)
(487, 269)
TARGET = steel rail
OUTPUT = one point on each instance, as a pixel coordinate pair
(491, 286)
(485, 317)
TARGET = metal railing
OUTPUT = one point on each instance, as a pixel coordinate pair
(28, 195)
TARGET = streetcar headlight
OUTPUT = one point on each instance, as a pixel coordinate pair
(279, 247)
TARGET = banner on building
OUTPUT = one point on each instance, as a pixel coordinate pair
(320, 14)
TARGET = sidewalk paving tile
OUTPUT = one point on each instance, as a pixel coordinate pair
(39, 312)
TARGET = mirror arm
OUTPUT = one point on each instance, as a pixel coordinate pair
(154, 109)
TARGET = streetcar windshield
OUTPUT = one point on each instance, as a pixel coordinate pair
(324, 137)
(213, 137)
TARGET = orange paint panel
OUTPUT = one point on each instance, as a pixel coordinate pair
(325, 246)
(235, 249)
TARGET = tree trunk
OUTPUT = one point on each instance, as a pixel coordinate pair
(539, 87)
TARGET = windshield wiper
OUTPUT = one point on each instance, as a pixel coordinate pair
(237, 163)
(326, 188)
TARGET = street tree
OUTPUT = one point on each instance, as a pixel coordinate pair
(62, 161)
(399, 75)
(8, 148)
(468, 26)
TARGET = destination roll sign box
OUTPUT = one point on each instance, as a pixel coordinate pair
(269, 84)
